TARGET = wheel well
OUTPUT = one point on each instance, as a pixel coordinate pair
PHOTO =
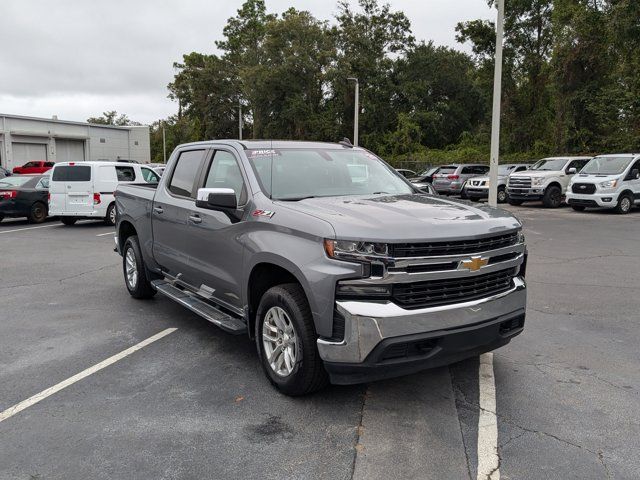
(125, 231)
(553, 184)
(262, 278)
(626, 192)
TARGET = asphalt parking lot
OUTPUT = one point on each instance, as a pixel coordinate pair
(195, 404)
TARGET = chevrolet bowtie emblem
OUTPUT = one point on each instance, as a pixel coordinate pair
(474, 263)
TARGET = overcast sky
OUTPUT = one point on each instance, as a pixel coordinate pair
(78, 58)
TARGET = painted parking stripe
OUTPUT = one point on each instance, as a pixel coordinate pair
(103, 234)
(28, 228)
(18, 407)
(488, 460)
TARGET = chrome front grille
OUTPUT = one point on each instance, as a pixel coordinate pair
(519, 182)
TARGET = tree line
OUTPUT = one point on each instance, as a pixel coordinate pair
(571, 81)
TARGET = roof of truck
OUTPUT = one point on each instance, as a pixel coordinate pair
(269, 144)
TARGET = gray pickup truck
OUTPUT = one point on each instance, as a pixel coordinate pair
(335, 264)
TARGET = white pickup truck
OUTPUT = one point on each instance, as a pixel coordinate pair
(546, 180)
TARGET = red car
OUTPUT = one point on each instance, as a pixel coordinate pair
(39, 166)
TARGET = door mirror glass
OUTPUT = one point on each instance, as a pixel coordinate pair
(572, 170)
(217, 199)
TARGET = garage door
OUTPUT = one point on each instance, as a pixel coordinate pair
(69, 150)
(24, 152)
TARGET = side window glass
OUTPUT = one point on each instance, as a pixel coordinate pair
(185, 172)
(149, 175)
(467, 170)
(225, 173)
(126, 174)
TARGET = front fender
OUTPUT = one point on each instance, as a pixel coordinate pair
(303, 256)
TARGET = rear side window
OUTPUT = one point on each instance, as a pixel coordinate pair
(185, 172)
(149, 175)
(49, 164)
(126, 174)
(71, 174)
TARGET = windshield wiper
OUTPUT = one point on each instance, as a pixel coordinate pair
(295, 199)
(380, 193)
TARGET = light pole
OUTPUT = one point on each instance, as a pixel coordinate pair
(495, 115)
(164, 145)
(239, 119)
(356, 111)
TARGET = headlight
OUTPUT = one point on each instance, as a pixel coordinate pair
(609, 184)
(537, 181)
(355, 251)
(520, 236)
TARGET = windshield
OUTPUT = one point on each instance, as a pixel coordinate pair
(549, 164)
(13, 181)
(607, 165)
(292, 174)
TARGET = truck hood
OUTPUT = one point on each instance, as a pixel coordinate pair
(594, 178)
(405, 218)
(538, 173)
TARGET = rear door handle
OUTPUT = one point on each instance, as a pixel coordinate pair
(195, 218)
(158, 210)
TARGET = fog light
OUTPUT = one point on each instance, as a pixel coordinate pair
(606, 199)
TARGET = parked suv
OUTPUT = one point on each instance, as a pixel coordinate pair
(545, 180)
(607, 181)
(451, 178)
(84, 190)
(331, 260)
(477, 188)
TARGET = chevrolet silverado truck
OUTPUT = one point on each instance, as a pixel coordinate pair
(335, 265)
(546, 180)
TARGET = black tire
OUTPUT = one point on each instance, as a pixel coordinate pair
(463, 195)
(474, 199)
(503, 197)
(513, 201)
(68, 220)
(625, 204)
(110, 218)
(308, 374)
(142, 287)
(552, 197)
(578, 208)
(38, 213)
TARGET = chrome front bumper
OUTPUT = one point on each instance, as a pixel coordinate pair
(369, 323)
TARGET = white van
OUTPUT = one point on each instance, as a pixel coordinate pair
(80, 190)
(607, 181)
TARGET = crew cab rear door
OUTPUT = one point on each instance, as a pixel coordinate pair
(173, 203)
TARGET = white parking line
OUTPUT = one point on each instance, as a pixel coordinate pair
(28, 228)
(488, 460)
(103, 234)
(18, 407)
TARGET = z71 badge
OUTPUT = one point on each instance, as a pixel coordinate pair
(263, 213)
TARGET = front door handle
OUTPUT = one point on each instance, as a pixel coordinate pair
(158, 210)
(195, 218)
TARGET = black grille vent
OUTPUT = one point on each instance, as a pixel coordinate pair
(457, 247)
(434, 293)
(588, 188)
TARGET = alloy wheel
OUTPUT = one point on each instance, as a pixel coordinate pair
(280, 341)
(131, 268)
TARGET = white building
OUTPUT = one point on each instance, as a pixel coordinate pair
(28, 138)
